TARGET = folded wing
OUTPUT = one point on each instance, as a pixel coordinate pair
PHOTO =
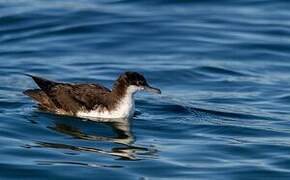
(67, 98)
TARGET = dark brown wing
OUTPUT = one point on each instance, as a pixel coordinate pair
(73, 97)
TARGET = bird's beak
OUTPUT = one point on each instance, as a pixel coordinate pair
(152, 89)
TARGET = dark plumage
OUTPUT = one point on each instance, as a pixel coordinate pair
(65, 98)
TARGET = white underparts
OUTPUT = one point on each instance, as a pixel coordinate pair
(124, 109)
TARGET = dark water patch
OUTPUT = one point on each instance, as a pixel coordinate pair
(232, 115)
(240, 131)
(224, 100)
(162, 107)
(182, 75)
(282, 98)
(217, 70)
(9, 105)
(282, 48)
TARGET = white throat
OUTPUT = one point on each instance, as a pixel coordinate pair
(124, 109)
(126, 106)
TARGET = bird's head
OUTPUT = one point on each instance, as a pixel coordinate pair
(136, 82)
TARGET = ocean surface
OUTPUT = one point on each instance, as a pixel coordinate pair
(223, 68)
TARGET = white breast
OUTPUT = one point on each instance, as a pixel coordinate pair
(124, 109)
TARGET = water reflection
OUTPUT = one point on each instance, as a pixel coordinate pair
(122, 131)
(121, 139)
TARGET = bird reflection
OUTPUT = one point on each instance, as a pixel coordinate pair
(122, 131)
(122, 141)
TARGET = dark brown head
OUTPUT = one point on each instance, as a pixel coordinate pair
(134, 82)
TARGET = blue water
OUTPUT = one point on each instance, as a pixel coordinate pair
(223, 68)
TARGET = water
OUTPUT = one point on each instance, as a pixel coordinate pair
(223, 68)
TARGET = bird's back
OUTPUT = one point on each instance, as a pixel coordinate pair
(65, 98)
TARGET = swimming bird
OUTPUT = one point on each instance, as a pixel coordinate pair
(90, 100)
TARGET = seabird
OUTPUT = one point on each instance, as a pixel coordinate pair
(90, 100)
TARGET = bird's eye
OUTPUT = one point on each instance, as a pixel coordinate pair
(140, 83)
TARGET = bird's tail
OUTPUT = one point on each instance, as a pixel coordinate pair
(44, 84)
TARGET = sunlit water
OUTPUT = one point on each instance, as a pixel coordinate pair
(223, 68)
